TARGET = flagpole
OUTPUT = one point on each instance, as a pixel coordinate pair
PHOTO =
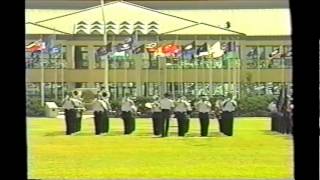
(222, 69)
(180, 70)
(234, 70)
(229, 70)
(42, 75)
(238, 66)
(196, 64)
(62, 74)
(210, 75)
(105, 39)
(258, 60)
(56, 79)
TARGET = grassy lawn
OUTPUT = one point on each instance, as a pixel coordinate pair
(253, 152)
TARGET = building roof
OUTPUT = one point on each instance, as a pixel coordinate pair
(254, 22)
(32, 28)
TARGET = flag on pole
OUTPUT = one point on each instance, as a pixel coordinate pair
(124, 46)
(189, 50)
(202, 50)
(275, 54)
(253, 53)
(189, 47)
(139, 50)
(104, 50)
(50, 42)
(171, 50)
(215, 51)
(36, 46)
(151, 47)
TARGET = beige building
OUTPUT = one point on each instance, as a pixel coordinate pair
(80, 32)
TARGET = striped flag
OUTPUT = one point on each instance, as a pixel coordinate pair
(36, 46)
(275, 54)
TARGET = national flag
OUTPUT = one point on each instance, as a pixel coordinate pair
(275, 54)
(123, 46)
(104, 50)
(36, 46)
(189, 47)
(50, 42)
(253, 53)
(55, 50)
(215, 50)
(230, 46)
(171, 50)
(202, 50)
(287, 54)
(119, 55)
(158, 52)
(151, 47)
(139, 49)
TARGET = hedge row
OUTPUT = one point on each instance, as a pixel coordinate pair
(248, 106)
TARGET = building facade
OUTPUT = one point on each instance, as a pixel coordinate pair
(262, 30)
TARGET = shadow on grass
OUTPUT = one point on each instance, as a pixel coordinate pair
(273, 133)
(56, 133)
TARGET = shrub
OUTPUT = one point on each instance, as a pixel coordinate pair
(34, 108)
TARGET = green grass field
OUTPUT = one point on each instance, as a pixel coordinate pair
(253, 152)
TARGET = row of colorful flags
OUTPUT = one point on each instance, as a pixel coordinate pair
(173, 50)
(46, 45)
(155, 49)
(275, 54)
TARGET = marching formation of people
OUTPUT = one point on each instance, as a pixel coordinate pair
(164, 109)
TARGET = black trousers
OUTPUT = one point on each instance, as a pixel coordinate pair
(287, 123)
(78, 122)
(70, 118)
(132, 123)
(98, 121)
(227, 123)
(181, 117)
(278, 120)
(273, 121)
(187, 122)
(282, 123)
(165, 118)
(204, 123)
(156, 118)
(105, 122)
(127, 121)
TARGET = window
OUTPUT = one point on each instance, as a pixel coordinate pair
(81, 57)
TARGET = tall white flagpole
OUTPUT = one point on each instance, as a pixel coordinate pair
(42, 73)
(196, 63)
(222, 69)
(105, 40)
(62, 72)
(258, 60)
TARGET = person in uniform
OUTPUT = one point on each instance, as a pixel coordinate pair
(218, 111)
(180, 110)
(287, 116)
(273, 113)
(99, 107)
(166, 106)
(204, 107)
(134, 110)
(156, 115)
(105, 123)
(228, 107)
(69, 114)
(188, 114)
(79, 109)
(126, 113)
